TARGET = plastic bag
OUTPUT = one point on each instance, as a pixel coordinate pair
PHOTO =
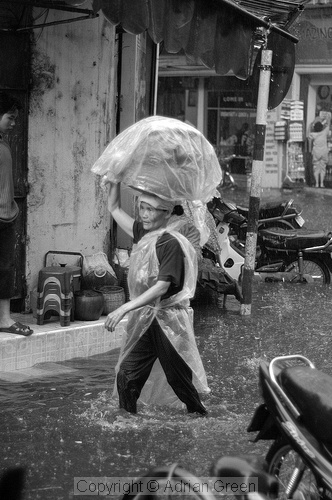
(163, 156)
(97, 272)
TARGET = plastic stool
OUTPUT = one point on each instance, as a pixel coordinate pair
(56, 274)
(52, 302)
(55, 292)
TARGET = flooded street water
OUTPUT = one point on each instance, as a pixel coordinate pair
(67, 426)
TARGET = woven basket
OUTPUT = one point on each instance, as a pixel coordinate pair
(114, 297)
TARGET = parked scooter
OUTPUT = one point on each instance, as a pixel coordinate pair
(271, 215)
(296, 415)
(292, 255)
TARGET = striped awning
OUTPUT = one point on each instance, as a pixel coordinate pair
(223, 35)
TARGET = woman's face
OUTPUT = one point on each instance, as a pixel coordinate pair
(7, 121)
(152, 218)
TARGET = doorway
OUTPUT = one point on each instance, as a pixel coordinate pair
(14, 79)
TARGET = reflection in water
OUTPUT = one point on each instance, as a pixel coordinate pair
(65, 425)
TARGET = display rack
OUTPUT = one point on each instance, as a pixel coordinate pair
(292, 115)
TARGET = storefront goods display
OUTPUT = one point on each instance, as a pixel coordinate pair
(292, 128)
(296, 132)
(164, 156)
(295, 161)
(280, 131)
(297, 111)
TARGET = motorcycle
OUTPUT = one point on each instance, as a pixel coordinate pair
(234, 476)
(271, 215)
(282, 255)
(296, 415)
(297, 256)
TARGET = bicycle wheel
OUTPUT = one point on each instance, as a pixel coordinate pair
(282, 461)
(312, 267)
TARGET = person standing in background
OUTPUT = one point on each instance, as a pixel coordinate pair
(320, 150)
(9, 108)
(242, 139)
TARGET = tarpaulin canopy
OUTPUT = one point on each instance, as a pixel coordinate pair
(223, 35)
(220, 34)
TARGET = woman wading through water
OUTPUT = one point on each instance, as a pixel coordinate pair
(159, 361)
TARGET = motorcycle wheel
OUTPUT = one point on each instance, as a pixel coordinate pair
(313, 267)
(282, 461)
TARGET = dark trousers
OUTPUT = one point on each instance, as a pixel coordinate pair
(7, 260)
(136, 367)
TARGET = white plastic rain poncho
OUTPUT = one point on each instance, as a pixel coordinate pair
(164, 156)
(173, 315)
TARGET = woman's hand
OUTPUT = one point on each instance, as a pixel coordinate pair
(105, 183)
(148, 297)
(115, 317)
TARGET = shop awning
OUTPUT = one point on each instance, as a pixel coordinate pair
(223, 35)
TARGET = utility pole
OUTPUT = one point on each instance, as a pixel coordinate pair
(256, 180)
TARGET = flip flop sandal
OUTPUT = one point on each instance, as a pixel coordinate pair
(18, 329)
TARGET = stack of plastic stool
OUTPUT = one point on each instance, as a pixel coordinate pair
(55, 293)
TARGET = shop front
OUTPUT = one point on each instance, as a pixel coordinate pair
(313, 76)
(231, 117)
(219, 106)
(224, 110)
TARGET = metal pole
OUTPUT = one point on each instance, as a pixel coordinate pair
(155, 90)
(256, 178)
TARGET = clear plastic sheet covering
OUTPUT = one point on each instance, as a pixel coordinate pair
(174, 316)
(210, 32)
(164, 156)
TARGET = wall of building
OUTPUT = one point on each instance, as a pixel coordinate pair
(72, 119)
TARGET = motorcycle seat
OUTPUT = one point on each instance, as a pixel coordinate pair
(294, 240)
(267, 210)
(310, 390)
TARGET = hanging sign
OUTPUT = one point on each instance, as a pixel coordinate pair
(236, 99)
(314, 30)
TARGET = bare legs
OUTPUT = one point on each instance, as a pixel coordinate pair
(5, 318)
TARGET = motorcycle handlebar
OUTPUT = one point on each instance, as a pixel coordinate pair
(296, 357)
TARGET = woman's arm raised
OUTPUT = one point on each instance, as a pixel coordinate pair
(124, 220)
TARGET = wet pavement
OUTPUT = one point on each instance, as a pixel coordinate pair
(67, 426)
